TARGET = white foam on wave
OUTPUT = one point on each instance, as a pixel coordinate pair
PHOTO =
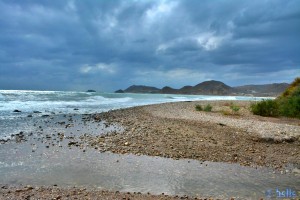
(101, 99)
(13, 164)
(65, 102)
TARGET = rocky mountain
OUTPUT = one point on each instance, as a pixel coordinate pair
(140, 89)
(268, 89)
(213, 88)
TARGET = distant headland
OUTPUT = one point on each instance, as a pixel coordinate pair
(91, 91)
(213, 88)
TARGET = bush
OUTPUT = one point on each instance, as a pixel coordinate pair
(207, 108)
(290, 107)
(226, 112)
(293, 89)
(267, 108)
(234, 108)
(198, 108)
(287, 104)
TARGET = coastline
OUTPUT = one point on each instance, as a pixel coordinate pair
(177, 131)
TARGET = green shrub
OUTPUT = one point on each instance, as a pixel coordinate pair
(198, 108)
(290, 107)
(292, 89)
(267, 108)
(234, 108)
(207, 108)
(287, 104)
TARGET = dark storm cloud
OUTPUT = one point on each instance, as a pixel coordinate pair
(106, 45)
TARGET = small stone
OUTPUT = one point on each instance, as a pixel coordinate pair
(29, 187)
(296, 171)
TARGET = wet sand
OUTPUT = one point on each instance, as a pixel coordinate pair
(171, 130)
(56, 193)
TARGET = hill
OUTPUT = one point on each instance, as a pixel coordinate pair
(142, 89)
(213, 88)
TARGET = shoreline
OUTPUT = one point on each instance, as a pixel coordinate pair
(55, 193)
(170, 130)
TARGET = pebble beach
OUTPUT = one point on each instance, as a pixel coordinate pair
(169, 130)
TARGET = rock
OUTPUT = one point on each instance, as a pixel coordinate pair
(119, 91)
(37, 111)
(29, 187)
(126, 143)
(69, 125)
(221, 124)
(296, 171)
(17, 111)
(29, 115)
(72, 143)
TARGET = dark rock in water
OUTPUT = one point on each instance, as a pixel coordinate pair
(76, 109)
(72, 143)
(119, 91)
(91, 91)
(37, 111)
(17, 111)
(2, 141)
(29, 115)
(45, 115)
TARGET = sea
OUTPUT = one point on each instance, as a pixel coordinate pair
(39, 103)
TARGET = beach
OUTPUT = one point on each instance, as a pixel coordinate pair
(177, 130)
(174, 131)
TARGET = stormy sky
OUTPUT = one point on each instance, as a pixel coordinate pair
(109, 44)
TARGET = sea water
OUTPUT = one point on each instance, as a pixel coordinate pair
(38, 103)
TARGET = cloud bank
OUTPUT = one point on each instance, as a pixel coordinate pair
(107, 45)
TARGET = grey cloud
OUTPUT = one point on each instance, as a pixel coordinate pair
(51, 41)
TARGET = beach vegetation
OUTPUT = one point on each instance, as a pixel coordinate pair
(287, 104)
(234, 108)
(226, 112)
(266, 108)
(208, 108)
(198, 107)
